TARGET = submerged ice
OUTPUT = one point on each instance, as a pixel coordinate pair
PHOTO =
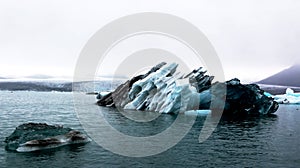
(39, 136)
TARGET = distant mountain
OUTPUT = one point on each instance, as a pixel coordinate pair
(287, 77)
(2, 77)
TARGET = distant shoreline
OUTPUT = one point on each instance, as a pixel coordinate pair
(36, 86)
(58, 86)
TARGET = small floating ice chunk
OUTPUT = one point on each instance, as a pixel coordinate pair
(198, 112)
(289, 98)
(268, 94)
(289, 91)
(102, 94)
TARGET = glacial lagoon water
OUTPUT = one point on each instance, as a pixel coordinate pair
(254, 142)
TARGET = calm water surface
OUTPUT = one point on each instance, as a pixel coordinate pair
(256, 142)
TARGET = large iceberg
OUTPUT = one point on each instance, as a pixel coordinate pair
(164, 90)
(39, 136)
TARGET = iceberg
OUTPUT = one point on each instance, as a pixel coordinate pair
(164, 90)
(40, 136)
(197, 112)
(290, 97)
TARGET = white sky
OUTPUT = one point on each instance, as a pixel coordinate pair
(253, 38)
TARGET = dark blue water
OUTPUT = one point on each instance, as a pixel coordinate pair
(254, 142)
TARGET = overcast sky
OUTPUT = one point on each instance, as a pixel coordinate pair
(253, 38)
